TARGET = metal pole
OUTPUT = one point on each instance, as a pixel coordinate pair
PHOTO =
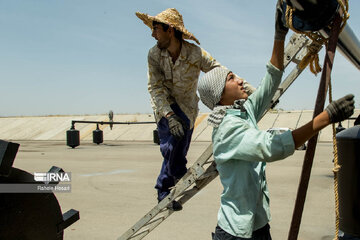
(102, 123)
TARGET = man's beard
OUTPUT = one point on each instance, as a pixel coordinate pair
(164, 44)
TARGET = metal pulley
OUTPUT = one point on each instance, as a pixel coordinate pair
(72, 137)
(98, 135)
(156, 138)
(311, 15)
(348, 143)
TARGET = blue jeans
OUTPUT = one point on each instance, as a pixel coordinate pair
(174, 152)
(260, 234)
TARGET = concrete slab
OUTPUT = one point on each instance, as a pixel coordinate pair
(55, 127)
(113, 187)
(268, 120)
(288, 120)
(202, 132)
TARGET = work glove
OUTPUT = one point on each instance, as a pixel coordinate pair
(341, 109)
(280, 28)
(176, 126)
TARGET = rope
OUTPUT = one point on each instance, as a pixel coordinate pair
(312, 57)
(336, 171)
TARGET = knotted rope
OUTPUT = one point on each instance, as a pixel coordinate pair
(312, 58)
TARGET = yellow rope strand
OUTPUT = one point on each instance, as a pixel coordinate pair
(336, 171)
(344, 4)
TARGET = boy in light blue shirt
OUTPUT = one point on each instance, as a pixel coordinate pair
(241, 150)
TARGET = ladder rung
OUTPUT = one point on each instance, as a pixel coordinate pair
(138, 234)
(155, 220)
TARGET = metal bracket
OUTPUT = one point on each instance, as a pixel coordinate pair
(8, 151)
(69, 218)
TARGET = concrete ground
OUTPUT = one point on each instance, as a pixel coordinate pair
(113, 187)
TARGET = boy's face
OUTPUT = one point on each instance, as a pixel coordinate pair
(233, 90)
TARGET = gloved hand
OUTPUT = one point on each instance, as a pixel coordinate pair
(280, 28)
(176, 126)
(341, 109)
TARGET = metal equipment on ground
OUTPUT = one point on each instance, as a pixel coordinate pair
(24, 212)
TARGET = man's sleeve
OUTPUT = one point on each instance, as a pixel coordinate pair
(207, 61)
(158, 92)
(235, 139)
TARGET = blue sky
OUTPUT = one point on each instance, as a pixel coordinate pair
(89, 56)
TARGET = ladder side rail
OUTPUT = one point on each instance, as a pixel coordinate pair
(189, 178)
(192, 174)
(212, 173)
(296, 43)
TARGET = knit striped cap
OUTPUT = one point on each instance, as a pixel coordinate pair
(211, 86)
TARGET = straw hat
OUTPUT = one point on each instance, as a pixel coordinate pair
(170, 17)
